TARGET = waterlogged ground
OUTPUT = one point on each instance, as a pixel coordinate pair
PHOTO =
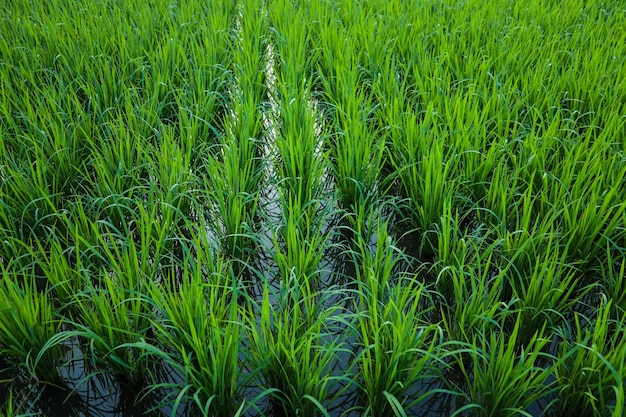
(312, 208)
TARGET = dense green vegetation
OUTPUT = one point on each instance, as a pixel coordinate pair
(313, 207)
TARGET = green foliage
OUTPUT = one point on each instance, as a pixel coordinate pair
(27, 325)
(592, 367)
(502, 379)
(198, 333)
(316, 207)
(293, 347)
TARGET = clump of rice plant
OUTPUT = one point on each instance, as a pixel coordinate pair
(199, 333)
(355, 149)
(591, 368)
(234, 192)
(111, 318)
(8, 406)
(64, 279)
(425, 173)
(396, 346)
(28, 327)
(547, 292)
(470, 283)
(234, 166)
(293, 347)
(399, 348)
(613, 275)
(299, 246)
(502, 378)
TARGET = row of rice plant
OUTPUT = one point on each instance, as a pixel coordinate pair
(334, 207)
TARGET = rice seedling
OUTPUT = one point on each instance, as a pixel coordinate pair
(234, 168)
(61, 269)
(235, 199)
(200, 333)
(547, 292)
(9, 407)
(299, 246)
(27, 324)
(296, 142)
(471, 286)
(503, 380)
(591, 368)
(355, 150)
(293, 348)
(300, 164)
(398, 347)
(27, 197)
(426, 180)
(109, 318)
(395, 344)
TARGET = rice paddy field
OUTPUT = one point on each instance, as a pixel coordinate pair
(312, 208)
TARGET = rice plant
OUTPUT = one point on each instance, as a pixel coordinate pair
(28, 324)
(8, 406)
(471, 287)
(200, 337)
(592, 365)
(354, 147)
(112, 314)
(293, 348)
(503, 380)
(234, 168)
(614, 279)
(398, 348)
